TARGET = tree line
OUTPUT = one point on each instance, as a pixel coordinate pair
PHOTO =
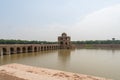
(97, 42)
(12, 41)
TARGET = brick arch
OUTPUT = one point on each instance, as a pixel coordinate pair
(4, 50)
(35, 49)
(42, 48)
(12, 50)
(29, 49)
(48, 48)
(24, 50)
(39, 48)
(18, 50)
(45, 48)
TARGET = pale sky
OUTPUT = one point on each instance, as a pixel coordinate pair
(47, 19)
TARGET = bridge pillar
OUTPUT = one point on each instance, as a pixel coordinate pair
(33, 49)
(39, 49)
(20, 49)
(1, 52)
(26, 49)
(8, 50)
(15, 50)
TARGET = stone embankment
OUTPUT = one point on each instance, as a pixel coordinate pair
(23, 72)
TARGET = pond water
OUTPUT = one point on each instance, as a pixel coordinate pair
(97, 62)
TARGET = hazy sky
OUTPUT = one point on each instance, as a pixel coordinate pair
(47, 19)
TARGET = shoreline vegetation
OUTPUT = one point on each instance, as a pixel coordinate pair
(97, 46)
(78, 44)
(15, 41)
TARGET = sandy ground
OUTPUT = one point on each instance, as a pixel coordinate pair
(23, 72)
(4, 76)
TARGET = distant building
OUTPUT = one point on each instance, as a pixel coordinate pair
(64, 41)
(113, 39)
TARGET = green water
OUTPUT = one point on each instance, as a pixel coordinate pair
(97, 62)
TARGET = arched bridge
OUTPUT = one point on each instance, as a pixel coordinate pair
(25, 48)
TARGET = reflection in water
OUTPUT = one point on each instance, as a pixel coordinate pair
(16, 58)
(64, 57)
(113, 51)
